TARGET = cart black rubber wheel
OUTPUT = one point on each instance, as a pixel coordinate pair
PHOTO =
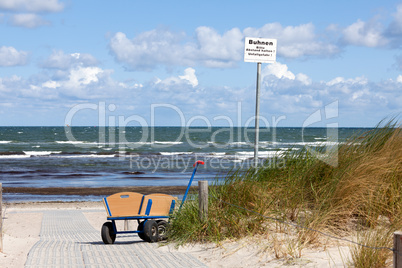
(151, 233)
(162, 229)
(108, 235)
(141, 228)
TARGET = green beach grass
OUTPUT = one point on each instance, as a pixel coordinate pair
(360, 197)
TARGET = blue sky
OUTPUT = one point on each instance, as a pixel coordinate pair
(181, 62)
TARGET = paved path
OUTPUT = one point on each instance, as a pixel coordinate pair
(68, 240)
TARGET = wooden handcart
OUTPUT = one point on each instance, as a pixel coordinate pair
(151, 212)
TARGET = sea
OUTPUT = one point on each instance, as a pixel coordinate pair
(136, 156)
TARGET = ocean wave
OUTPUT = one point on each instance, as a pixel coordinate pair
(261, 154)
(70, 142)
(56, 154)
(168, 142)
(270, 144)
(40, 153)
(87, 143)
(4, 142)
(319, 143)
(86, 156)
(266, 144)
(12, 156)
(175, 153)
(307, 143)
(218, 154)
(123, 142)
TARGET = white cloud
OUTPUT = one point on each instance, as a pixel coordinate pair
(287, 94)
(9, 56)
(163, 47)
(32, 5)
(51, 84)
(217, 50)
(303, 78)
(340, 80)
(345, 87)
(279, 70)
(178, 83)
(81, 83)
(359, 95)
(294, 41)
(369, 34)
(394, 30)
(28, 20)
(212, 49)
(82, 76)
(27, 11)
(59, 60)
(336, 80)
(189, 75)
(150, 49)
(127, 85)
(395, 27)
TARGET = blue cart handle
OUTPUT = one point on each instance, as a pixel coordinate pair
(191, 180)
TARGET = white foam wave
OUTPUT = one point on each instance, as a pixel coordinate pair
(289, 149)
(4, 142)
(14, 156)
(319, 142)
(218, 154)
(308, 143)
(241, 156)
(70, 142)
(40, 153)
(174, 153)
(261, 154)
(240, 143)
(85, 156)
(168, 142)
(83, 143)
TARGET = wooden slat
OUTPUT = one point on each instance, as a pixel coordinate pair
(124, 204)
(161, 204)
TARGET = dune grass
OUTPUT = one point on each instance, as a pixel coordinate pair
(364, 190)
(372, 255)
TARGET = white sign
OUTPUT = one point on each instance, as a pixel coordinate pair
(260, 50)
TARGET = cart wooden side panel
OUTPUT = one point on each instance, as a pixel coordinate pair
(158, 205)
(123, 204)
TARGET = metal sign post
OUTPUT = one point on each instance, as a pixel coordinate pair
(259, 50)
(257, 114)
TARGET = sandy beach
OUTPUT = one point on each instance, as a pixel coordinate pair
(22, 226)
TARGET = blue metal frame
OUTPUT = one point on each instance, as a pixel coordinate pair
(191, 181)
(107, 206)
(142, 201)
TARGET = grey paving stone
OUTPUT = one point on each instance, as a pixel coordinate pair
(68, 240)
